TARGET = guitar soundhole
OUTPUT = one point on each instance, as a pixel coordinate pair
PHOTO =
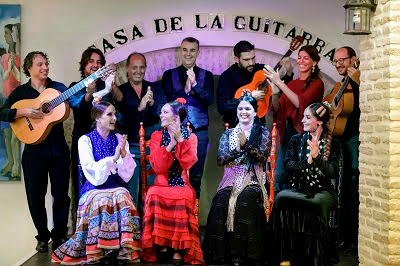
(46, 108)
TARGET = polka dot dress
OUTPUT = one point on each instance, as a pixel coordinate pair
(174, 172)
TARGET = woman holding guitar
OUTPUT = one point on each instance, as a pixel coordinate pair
(296, 96)
(49, 158)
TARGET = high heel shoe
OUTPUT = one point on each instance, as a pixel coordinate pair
(177, 261)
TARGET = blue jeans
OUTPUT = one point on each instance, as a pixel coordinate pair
(282, 178)
(350, 194)
(196, 172)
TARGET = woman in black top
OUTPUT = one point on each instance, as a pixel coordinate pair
(299, 223)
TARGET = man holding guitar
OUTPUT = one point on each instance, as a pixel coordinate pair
(344, 60)
(239, 74)
(49, 158)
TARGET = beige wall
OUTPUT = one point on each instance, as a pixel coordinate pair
(379, 229)
(64, 29)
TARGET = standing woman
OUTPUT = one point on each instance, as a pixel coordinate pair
(169, 224)
(108, 224)
(299, 229)
(236, 221)
(296, 96)
(50, 158)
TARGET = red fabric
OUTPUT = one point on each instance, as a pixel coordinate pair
(313, 93)
(169, 218)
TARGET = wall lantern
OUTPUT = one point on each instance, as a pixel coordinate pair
(358, 13)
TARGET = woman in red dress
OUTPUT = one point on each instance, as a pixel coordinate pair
(169, 223)
(289, 102)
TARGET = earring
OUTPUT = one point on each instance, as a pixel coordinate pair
(312, 69)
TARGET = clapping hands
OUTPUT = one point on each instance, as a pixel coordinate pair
(241, 140)
(120, 149)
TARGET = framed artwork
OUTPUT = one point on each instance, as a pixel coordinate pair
(10, 78)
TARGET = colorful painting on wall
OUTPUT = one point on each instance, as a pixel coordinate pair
(10, 78)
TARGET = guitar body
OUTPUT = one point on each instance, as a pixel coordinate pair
(258, 79)
(340, 111)
(32, 130)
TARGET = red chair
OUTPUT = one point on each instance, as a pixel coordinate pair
(145, 172)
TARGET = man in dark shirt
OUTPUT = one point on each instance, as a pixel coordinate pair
(48, 159)
(344, 60)
(236, 76)
(138, 100)
(81, 103)
(196, 85)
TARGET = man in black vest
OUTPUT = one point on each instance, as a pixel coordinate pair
(196, 85)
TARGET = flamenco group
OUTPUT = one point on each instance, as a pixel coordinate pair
(237, 232)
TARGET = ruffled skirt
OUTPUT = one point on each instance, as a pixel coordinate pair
(298, 230)
(169, 221)
(108, 222)
(247, 239)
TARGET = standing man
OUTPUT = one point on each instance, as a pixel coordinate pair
(81, 103)
(196, 85)
(238, 75)
(48, 159)
(138, 100)
(344, 60)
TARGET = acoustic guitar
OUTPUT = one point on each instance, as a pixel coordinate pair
(341, 101)
(260, 82)
(52, 103)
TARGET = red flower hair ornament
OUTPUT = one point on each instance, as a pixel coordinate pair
(181, 100)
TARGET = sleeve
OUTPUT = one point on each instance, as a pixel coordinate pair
(313, 93)
(97, 172)
(7, 113)
(225, 155)
(292, 162)
(126, 166)
(159, 99)
(77, 101)
(330, 167)
(186, 152)
(226, 103)
(262, 152)
(205, 94)
(160, 159)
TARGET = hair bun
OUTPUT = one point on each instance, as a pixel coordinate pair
(181, 100)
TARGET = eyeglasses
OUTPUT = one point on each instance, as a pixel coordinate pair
(340, 61)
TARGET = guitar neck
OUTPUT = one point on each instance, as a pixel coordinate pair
(341, 90)
(71, 91)
(287, 54)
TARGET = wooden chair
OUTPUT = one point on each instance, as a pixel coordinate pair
(271, 170)
(145, 172)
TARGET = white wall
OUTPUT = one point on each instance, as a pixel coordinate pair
(64, 29)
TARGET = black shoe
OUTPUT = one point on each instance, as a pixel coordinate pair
(237, 262)
(58, 242)
(121, 262)
(42, 246)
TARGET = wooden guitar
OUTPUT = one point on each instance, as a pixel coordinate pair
(260, 80)
(341, 101)
(52, 103)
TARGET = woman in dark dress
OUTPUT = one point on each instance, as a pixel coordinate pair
(299, 229)
(236, 221)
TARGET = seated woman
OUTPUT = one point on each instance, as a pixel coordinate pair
(236, 222)
(169, 223)
(108, 224)
(299, 229)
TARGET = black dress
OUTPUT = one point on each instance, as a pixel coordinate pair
(247, 240)
(298, 230)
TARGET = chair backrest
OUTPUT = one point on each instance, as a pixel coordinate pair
(271, 170)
